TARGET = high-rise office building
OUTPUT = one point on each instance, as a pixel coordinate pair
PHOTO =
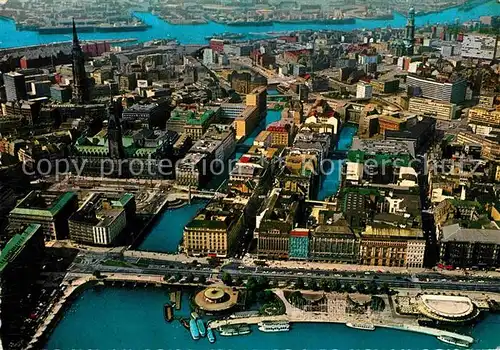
(15, 86)
(453, 92)
(484, 47)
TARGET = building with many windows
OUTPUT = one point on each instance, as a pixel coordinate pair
(215, 229)
(484, 120)
(432, 108)
(485, 47)
(193, 122)
(20, 265)
(331, 237)
(447, 91)
(192, 170)
(151, 115)
(391, 241)
(467, 247)
(218, 143)
(101, 219)
(490, 146)
(51, 210)
(299, 244)
(15, 86)
(378, 161)
(277, 217)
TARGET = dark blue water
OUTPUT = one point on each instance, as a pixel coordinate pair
(115, 318)
(195, 34)
(333, 170)
(166, 234)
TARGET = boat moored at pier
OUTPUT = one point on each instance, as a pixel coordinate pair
(274, 326)
(201, 327)
(232, 330)
(211, 335)
(362, 326)
(193, 328)
(454, 341)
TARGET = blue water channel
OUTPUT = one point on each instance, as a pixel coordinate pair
(166, 234)
(333, 167)
(195, 34)
(120, 318)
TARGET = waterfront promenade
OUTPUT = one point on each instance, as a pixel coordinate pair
(71, 285)
(336, 312)
(333, 307)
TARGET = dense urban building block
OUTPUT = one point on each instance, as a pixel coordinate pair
(101, 219)
(20, 266)
(51, 210)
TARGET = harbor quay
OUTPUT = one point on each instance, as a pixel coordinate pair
(316, 307)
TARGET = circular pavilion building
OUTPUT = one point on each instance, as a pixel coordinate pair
(448, 309)
(217, 298)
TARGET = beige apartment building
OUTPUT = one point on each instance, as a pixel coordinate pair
(485, 116)
(432, 108)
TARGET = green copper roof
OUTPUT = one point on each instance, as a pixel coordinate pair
(16, 245)
(191, 117)
(358, 156)
(127, 197)
(209, 224)
(49, 212)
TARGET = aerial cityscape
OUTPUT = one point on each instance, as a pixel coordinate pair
(252, 174)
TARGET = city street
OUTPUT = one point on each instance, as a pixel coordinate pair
(424, 280)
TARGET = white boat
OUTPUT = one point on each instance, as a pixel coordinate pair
(454, 341)
(274, 326)
(362, 326)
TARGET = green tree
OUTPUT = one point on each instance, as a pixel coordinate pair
(372, 288)
(296, 298)
(360, 287)
(299, 284)
(312, 284)
(384, 288)
(324, 285)
(335, 286)
(213, 261)
(190, 278)
(166, 278)
(251, 283)
(238, 281)
(97, 274)
(263, 282)
(202, 279)
(178, 277)
(346, 287)
(227, 279)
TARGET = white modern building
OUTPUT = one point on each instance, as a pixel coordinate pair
(364, 90)
(484, 47)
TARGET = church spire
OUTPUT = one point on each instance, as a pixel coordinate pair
(80, 84)
(76, 42)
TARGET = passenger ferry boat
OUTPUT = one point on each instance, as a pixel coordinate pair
(193, 328)
(362, 326)
(454, 341)
(201, 327)
(232, 330)
(211, 335)
(274, 326)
